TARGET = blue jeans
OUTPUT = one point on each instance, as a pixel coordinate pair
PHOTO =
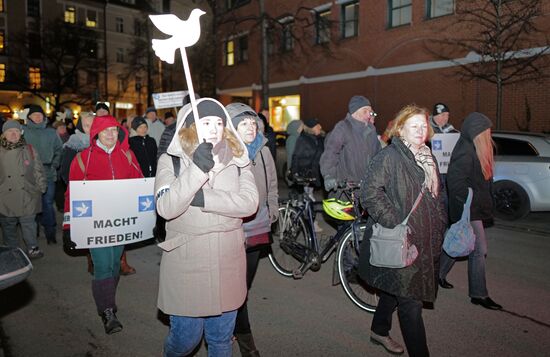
(106, 261)
(28, 230)
(477, 285)
(186, 333)
(47, 217)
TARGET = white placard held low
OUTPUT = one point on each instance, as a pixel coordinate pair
(106, 213)
(442, 148)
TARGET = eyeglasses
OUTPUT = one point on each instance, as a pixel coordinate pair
(373, 114)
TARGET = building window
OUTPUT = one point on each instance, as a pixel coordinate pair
(121, 84)
(232, 4)
(33, 8)
(2, 9)
(120, 55)
(35, 47)
(350, 19)
(91, 48)
(137, 27)
(119, 24)
(70, 14)
(287, 37)
(2, 72)
(91, 18)
(322, 27)
(438, 8)
(34, 77)
(2, 41)
(242, 54)
(229, 53)
(400, 12)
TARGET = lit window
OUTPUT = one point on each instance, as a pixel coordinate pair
(2, 41)
(400, 12)
(2, 9)
(70, 14)
(2, 72)
(119, 24)
(34, 77)
(229, 55)
(120, 55)
(91, 18)
(242, 55)
(350, 19)
(438, 8)
(322, 27)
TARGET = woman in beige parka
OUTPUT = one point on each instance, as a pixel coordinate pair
(203, 194)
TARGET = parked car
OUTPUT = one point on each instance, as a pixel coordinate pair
(522, 174)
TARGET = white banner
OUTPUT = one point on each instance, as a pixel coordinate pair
(169, 99)
(112, 212)
(442, 148)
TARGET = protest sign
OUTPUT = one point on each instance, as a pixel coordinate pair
(442, 148)
(169, 99)
(106, 213)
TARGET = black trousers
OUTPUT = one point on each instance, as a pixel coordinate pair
(410, 321)
(242, 325)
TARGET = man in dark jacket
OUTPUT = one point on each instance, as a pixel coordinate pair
(440, 120)
(144, 147)
(49, 147)
(308, 150)
(350, 146)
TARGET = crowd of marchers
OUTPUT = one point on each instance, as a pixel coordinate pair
(217, 199)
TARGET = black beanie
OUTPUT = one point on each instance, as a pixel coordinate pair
(101, 105)
(311, 123)
(33, 108)
(440, 108)
(138, 121)
(206, 108)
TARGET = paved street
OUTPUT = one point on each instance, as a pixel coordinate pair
(52, 314)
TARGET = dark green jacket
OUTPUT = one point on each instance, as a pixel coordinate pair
(48, 145)
(388, 191)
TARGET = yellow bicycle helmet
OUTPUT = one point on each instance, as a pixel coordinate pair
(341, 210)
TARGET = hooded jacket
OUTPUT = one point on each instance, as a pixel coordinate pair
(48, 145)
(293, 130)
(203, 266)
(305, 160)
(465, 171)
(22, 181)
(100, 165)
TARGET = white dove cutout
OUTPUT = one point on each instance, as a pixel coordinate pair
(82, 210)
(184, 34)
(146, 204)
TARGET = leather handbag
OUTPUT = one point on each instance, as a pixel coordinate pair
(390, 247)
(460, 238)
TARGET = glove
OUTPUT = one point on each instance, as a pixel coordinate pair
(68, 244)
(198, 200)
(203, 158)
(330, 183)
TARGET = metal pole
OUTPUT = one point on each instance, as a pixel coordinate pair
(264, 62)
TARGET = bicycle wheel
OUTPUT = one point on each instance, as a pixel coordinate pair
(290, 227)
(361, 294)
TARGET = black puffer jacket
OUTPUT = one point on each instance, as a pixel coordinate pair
(306, 156)
(465, 171)
(388, 192)
(145, 148)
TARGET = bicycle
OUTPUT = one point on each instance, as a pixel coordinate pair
(296, 248)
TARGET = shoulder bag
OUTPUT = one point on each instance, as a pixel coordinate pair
(460, 238)
(390, 247)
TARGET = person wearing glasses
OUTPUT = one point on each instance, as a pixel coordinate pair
(352, 135)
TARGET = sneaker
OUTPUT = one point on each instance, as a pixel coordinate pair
(388, 343)
(35, 253)
(110, 322)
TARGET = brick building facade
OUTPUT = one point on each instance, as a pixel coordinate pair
(381, 49)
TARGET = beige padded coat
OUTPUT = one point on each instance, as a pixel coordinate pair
(203, 266)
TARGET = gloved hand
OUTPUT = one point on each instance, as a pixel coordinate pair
(330, 183)
(203, 158)
(198, 200)
(68, 244)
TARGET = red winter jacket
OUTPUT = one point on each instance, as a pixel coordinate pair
(121, 163)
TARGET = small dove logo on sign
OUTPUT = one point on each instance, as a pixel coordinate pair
(436, 145)
(82, 209)
(146, 203)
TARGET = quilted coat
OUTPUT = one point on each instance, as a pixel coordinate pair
(388, 191)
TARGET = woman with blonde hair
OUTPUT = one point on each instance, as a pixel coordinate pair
(471, 165)
(403, 178)
(203, 190)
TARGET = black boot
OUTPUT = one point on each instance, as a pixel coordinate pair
(110, 321)
(246, 345)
